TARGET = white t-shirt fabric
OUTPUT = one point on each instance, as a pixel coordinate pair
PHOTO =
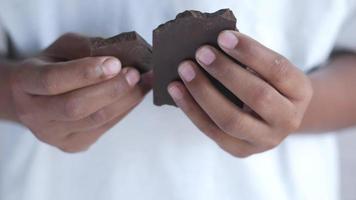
(156, 152)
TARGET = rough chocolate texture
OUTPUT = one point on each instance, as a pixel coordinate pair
(178, 40)
(130, 48)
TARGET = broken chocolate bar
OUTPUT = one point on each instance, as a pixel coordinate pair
(178, 40)
(130, 48)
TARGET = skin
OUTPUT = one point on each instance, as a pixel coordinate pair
(333, 105)
(66, 103)
(278, 96)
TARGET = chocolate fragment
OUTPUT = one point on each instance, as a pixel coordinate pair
(178, 40)
(129, 47)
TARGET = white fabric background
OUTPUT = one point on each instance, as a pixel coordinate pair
(347, 145)
(171, 164)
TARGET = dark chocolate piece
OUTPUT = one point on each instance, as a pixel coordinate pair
(130, 48)
(178, 40)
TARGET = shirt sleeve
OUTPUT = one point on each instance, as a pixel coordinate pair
(346, 40)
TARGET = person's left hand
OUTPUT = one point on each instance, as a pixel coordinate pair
(275, 92)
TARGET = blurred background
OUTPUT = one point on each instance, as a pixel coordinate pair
(347, 144)
(347, 156)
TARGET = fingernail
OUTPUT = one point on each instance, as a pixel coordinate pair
(132, 77)
(186, 71)
(206, 56)
(228, 40)
(111, 67)
(175, 92)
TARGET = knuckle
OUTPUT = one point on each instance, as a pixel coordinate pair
(24, 114)
(68, 150)
(71, 149)
(16, 85)
(231, 123)
(41, 136)
(67, 37)
(137, 97)
(47, 80)
(236, 150)
(236, 125)
(241, 153)
(210, 130)
(280, 69)
(272, 142)
(92, 70)
(99, 117)
(291, 120)
(263, 97)
(45, 137)
(89, 72)
(72, 108)
(18, 77)
(292, 124)
(119, 88)
(189, 109)
(222, 68)
(207, 128)
(23, 117)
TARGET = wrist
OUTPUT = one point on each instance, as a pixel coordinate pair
(333, 104)
(309, 118)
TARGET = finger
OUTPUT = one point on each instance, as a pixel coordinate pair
(197, 115)
(59, 130)
(84, 102)
(267, 102)
(276, 69)
(104, 115)
(59, 78)
(81, 141)
(146, 82)
(224, 113)
(147, 78)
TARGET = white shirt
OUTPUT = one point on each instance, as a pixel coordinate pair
(156, 152)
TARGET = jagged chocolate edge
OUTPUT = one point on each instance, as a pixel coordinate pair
(224, 13)
(126, 36)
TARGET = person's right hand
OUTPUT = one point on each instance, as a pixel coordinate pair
(70, 103)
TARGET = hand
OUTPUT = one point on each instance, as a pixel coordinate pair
(70, 103)
(276, 95)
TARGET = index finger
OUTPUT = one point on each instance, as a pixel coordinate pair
(62, 77)
(273, 67)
